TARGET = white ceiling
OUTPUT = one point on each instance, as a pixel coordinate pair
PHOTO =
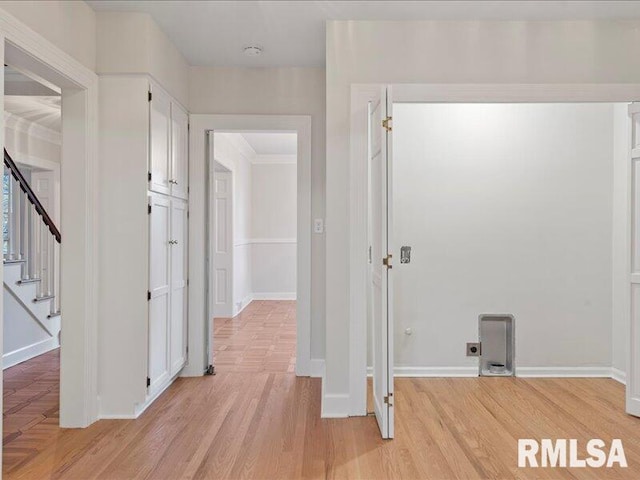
(292, 33)
(272, 143)
(43, 111)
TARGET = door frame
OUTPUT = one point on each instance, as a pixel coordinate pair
(27, 50)
(199, 183)
(361, 95)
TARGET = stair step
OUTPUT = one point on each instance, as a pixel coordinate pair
(54, 314)
(10, 261)
(25, 281)
(43, 298)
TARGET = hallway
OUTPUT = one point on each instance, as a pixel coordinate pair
(262, 338)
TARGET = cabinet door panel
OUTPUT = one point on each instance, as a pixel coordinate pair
(178, 337)
(160, 141)
(159, 288)
(179, 152)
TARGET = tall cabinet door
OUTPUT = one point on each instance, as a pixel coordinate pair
(179, 152)
(160, 142)
(159, 288)
(178, 323)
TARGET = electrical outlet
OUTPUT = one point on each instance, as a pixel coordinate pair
(318, 225)
(473, 349)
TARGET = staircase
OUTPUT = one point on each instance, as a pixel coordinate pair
(31, 254)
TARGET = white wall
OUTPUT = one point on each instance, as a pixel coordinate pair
(23, 337)
(286, 91)
(508, 209)
(620, 238)
(229, 151)
(131, 42)
(273, 213)
(71, 26)
(442, 52)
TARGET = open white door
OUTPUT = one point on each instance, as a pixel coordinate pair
(222, 237)
(380, 219)
(633, 374)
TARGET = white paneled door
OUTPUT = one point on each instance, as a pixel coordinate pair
(222, 236)
(160, 141)
(178, 275)
(159, 292)
(381, 261)
(179, 152)
(633, 375)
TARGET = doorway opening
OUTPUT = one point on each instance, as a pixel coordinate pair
(253, 235)
(514, 210)
(31, 256)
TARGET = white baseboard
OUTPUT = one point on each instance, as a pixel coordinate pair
(317, 368)
(23, 354)
(333, 405)
(618, 375)
(400, 371)
(245, 301)
(275, 296)
(525, 372)
(564, 372)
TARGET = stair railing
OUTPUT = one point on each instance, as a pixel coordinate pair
(30, 236)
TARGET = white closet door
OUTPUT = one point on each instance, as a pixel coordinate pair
(159, 141)
(380, 276)
(178, 328)
(179, 152)
(159, 288)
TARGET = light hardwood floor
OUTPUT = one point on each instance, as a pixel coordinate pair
(261, 339)
(31, 402)
(266, 425)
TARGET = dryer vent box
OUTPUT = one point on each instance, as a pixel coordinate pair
(497, 338)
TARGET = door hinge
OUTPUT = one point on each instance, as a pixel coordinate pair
(150, 95)
(148, 295)
(149, 383)
(386, 261)
(388, 399)
(149, 209)
(149, 176)
(387, 124)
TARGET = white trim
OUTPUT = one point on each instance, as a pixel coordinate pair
(273, 159)
(199, 173)
(618, 375)
(523, 372)
(264, 241)
(30, 351)
(416, 93)
(564, 372)
(317, 368)
(22, 125)
(513, 93)
(245, 303)
(274, 296)
(26, 49)
(358, 245)
(333, 405)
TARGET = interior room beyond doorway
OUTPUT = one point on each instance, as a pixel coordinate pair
(254, 229)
